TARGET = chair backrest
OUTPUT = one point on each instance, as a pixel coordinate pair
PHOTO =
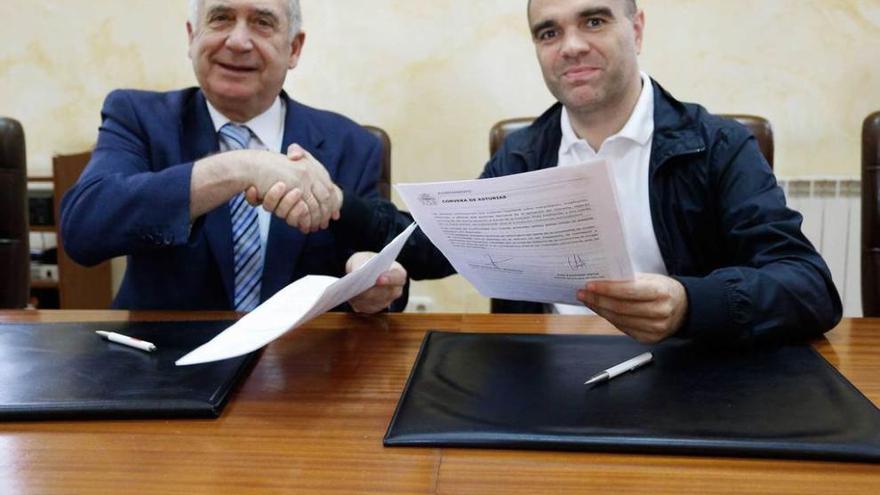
(871, 215)
(14, 251)
(79, 287)
(502, 129)
(759, 126)
(385, 172)
(761, 129)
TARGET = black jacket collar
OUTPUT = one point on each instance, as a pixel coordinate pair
(676, 132)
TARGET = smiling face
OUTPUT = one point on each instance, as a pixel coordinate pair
(241, 51)
(588, 51)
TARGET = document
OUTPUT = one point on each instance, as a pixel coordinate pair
(294, 305)
(536, 236)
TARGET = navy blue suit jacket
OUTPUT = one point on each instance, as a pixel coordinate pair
(133, 200)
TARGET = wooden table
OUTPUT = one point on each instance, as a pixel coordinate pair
(311, 415)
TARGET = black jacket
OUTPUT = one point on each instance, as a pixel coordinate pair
(719, 216)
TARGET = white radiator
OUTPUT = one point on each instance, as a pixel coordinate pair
(831, 207)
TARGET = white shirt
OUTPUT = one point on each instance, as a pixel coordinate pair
(629, 155)
(268, 134)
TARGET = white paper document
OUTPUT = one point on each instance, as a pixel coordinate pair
(294, 305)
(536, 236)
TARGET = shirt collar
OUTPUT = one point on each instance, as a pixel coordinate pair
(569, 138)
(639, 128)
(265, 126)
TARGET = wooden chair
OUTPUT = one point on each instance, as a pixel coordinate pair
(385, 172)
(759, 127)
(79, 287)
(14, 251)
(871, 215)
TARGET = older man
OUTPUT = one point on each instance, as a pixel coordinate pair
(173, 175)
(720, 257)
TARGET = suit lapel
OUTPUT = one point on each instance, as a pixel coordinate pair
(285, 243)
(198, 139)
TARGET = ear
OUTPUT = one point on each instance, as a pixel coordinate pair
(189, 35)
(639, 29)
(296, 46)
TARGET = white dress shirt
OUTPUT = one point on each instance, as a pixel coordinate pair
(629, 155)
(268, 134)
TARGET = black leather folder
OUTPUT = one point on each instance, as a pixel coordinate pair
(528, 392)
(67, 371)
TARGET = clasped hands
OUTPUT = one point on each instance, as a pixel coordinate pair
(298, 190)
(307, 199)
(649, 309)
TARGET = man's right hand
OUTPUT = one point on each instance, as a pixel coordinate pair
(308, 206)
(303, 194)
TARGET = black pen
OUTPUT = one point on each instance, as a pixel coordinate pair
(628, 365)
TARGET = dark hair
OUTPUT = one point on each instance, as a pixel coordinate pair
(631, 7)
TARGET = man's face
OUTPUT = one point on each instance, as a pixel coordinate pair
(241, 51)
(587, 50)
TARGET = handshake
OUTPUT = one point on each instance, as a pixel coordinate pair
(295, 188)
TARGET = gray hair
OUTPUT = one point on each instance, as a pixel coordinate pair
(294, 15)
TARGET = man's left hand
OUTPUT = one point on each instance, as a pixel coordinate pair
(388, 287)
(649, 309)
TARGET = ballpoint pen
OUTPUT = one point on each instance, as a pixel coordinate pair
(126, 340)
(628, 365)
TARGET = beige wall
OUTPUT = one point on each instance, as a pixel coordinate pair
(436, 74)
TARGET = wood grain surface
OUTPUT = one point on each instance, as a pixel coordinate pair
(311, 415)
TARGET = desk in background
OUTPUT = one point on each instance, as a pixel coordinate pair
(311, 416)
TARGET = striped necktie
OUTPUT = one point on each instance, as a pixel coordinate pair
(245, 232)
